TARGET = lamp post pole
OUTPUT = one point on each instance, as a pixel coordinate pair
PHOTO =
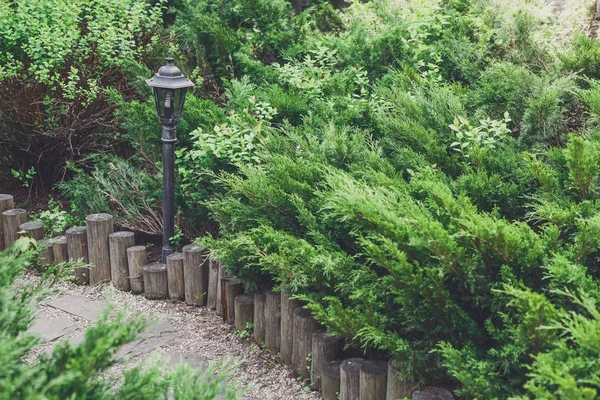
(168, 139)
(169, 87)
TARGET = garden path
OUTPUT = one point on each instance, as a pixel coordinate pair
(177, 332)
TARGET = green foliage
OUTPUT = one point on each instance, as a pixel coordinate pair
(247, 332)
(583, 56)
(55, 219)
(76, 371)
(582, 159)
(26, 177)
(220, 35)
(473, 141)
(544, 119)
(57, 58)
(120, 188)
(505, 87)
(332, 150)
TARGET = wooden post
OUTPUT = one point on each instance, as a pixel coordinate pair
(223, 296)
(213, 282)
(77, 250)
(373, 380)
(244, 310)
(304, 326)
(325, 348)
(330, 380)
(13, 218)
(47, 255)
(34, 230)
(175, 276)
(288, 306)
(136, 259)
(194, 270)
(155, 281)
(396, 388)
(350, 378)
(273, 321)
(99, 226)
(59, 249)
(7, 202)
(233, 288)
(118, 244)
(220, 288)
(260, 322)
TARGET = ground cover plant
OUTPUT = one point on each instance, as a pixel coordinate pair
(424, 174)
(70, 371)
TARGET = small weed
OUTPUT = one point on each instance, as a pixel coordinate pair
(246, 333)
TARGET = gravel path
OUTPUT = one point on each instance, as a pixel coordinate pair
(182, 332)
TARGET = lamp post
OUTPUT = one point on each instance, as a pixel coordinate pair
(169, 87)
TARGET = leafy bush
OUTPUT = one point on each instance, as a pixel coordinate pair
(55, 219)
(58, 57)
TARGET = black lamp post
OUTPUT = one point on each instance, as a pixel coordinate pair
(170, 87)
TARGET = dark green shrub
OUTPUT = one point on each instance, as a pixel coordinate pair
(504, 87)
(545, 117)
(583, 57)
(214, 32)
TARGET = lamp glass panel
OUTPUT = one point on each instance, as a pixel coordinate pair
(179, 99)
(169, 105)
(159, 99)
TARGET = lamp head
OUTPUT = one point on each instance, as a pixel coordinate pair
(169, 87)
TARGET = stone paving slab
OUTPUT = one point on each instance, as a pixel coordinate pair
(193, 360)
(80, 306)
(159, 334)
(52, 329)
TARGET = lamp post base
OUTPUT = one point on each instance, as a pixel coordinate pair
(166, 251)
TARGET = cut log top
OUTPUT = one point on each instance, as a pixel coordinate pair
(352, 365)
(122, 235)
(245, 298)
(332, 369)
(60, 240)
(136, 249)
(14, 211)
(6, 197)
(155, 267)
(322, 336)
(192, 248)
(77, 230)
(45, 243)
(302, 312)
(31, 225)
(172, 256)
(374, 367)
(98, 217)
